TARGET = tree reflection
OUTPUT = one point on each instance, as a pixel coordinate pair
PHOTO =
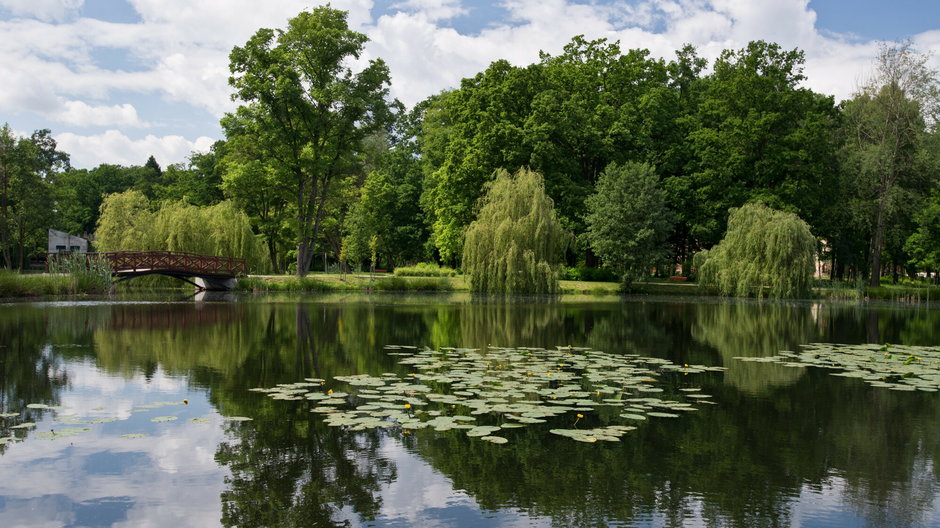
(755, 330)
(744, 462)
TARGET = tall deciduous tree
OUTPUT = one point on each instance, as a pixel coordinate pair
(758, 135)
(627, 220)
(887, 121)
(28, 169)
(310, 110)
(516, 242)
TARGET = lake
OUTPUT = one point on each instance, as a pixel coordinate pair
(144, 416)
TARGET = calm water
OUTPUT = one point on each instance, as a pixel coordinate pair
(782, 447)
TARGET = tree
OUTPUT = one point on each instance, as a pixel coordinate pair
(28, 169)
(468, 134)
(758, 136)
(308, 111)
(764, 252)
(516, 242)
(924, 244)
(126, 223)
(129, 223)
(199, 181)
(627, 219)
(886, 125)
(370, 217)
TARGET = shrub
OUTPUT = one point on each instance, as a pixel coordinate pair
(589, 274)
(425, 269)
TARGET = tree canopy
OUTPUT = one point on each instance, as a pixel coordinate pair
(305, 111)
(516, 242)
(764, 252)
(627, 220)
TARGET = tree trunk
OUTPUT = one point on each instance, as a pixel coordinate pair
(877, 244)
(272, 254)
(303, 256)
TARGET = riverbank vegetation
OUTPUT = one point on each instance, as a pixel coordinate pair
(320, 170)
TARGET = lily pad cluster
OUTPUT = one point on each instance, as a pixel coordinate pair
(485, 392)
(895, 367)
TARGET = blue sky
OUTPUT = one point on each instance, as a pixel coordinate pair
(119, 80)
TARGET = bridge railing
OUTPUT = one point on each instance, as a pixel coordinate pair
(125, 262)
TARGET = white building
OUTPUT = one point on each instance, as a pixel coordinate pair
(60, 242)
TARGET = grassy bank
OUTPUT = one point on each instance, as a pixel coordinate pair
(388, 283)
(14, 284)
(380, 282)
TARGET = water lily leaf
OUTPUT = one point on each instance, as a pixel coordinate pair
(9, 415)
(629, 416)
(24, 425)
(164, 418)
(662, 415)
(237, 419)
(61, 433)
(494, 439)
(134, 435)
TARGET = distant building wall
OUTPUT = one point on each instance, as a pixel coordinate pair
(60, 241)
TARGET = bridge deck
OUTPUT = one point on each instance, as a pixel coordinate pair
(174, 263)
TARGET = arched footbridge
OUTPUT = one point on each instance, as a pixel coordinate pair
(205, 272)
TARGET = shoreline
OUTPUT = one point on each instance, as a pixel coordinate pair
(15, 286)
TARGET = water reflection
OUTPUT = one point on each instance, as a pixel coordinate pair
(783, 446)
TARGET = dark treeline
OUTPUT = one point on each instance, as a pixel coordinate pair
(329, 168)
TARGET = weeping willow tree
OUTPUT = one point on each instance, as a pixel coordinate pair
(128, 223)
(516, 242)
(764, 252)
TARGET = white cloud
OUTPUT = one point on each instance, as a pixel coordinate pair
(115, 147)
(433, 9)
(179, 51)
(52, 10)
(80, 113)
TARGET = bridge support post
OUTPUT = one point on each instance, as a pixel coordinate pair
(215, 284)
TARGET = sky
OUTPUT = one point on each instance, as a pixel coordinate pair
(119, 80)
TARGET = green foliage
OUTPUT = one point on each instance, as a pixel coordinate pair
(627, 220)
(425, 269)
(127, 223)
(28, 168)
(924, 244)
(89, 274)
(590, 274)
(370, 217)
(305, 112)
(757, 136)
(516, 242)
(764, 252)
(883, 156)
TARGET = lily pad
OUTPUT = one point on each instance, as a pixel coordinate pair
(164, 418)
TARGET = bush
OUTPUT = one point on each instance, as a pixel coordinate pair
(425, 269)
(589, 274)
